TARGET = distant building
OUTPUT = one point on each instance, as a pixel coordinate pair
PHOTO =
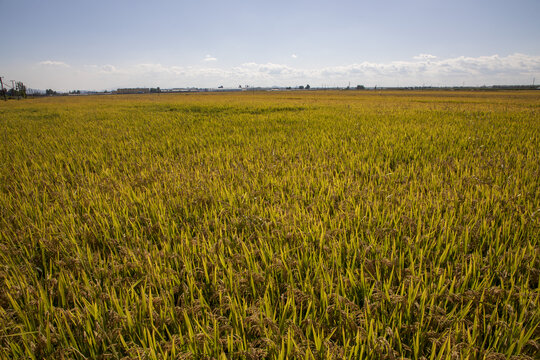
(133, 91)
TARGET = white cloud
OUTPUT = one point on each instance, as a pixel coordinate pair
(105, 69)
(424, 57)
(108, 68)
(149, 68)
(209, 58)
(426, 69)
(53, 63)
(265, 70)
(294, 56)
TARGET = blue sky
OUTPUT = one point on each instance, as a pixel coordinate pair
(107, 44)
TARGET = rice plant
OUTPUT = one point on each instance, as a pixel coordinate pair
(306, 225)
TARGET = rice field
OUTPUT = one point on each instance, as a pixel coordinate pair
(282, 225)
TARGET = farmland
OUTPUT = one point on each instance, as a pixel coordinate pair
(313, 225)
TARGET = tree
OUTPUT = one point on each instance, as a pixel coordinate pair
(308, 87)
(360, 87)
(50, 92)
(301, 87)
(21, 89)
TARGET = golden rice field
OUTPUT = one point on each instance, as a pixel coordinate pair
(283, 225)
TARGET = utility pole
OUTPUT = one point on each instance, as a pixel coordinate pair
(12, 87)
(3, 91)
